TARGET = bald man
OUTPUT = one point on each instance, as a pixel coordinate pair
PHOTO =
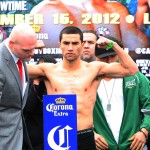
(19, 47)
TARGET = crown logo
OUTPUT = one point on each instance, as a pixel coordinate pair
(36, 28)
(60, 100)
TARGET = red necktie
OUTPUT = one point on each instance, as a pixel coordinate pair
(19, 63)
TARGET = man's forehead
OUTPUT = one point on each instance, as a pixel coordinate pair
(89, 37)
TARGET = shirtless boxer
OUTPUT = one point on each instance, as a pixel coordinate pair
(74, 76)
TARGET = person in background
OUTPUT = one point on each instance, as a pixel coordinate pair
(118, 120)
(89, 39)
(14, 84)
(33, 111)
(73, 75)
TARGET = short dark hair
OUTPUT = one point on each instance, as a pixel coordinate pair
(91, 31)
(71, 30)
(47, 58)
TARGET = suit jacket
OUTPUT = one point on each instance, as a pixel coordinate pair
(33, 113)
(11, 102)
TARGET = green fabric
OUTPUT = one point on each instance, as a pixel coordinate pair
(136, 90)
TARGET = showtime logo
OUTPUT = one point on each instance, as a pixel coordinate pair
(63, 140)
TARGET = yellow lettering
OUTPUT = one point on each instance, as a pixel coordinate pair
(7, 19)
(12, 19)
(146, 18)
(19, 18)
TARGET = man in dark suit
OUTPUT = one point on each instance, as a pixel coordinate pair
(20, 45)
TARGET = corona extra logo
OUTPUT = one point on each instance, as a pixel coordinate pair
(52, 107)
(36, 28)
(63, 140)
(60, 100)
(2, 35)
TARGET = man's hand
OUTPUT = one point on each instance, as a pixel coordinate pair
(103, 42)
(138, 141)
(100, 142)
